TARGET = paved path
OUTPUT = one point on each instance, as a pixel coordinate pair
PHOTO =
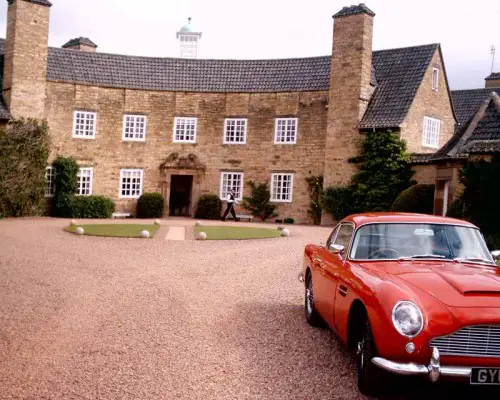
(176, 233)
(131, 319)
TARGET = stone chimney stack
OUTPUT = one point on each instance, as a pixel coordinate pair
(350, 91)
(82, 44)
(493, 80)
(25, 59)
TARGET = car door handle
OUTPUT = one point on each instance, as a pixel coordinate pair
(343, 290)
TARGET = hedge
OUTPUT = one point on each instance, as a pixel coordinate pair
(209, 207)
(92, 207)
(416, 199)
(150, 205)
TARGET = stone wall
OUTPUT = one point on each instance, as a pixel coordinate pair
(25, 60)
(429, 103)
(258, 158)
(425, 174)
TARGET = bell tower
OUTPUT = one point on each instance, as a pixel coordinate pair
(188, 38)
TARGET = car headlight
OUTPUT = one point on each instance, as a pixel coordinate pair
(407, 319)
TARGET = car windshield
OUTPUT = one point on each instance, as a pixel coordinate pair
(392, 241)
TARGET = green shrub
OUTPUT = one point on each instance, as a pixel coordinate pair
(288, 221)
(315, 185)
(92, 207)
(416, 199)
(24, 151)
(259, 202)
(150, 205)
(338, 201)
(493, 241)
(457, 208)
(209, 207)
(65, 185)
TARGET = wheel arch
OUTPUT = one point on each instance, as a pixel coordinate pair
(358, 314)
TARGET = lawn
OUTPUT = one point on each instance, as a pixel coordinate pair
(236, 232)
(115, 230)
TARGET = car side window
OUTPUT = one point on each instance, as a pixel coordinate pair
(344, 236)
(331, 238)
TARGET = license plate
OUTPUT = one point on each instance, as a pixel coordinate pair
(485, 376)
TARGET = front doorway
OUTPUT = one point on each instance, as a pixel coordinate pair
(181, 188)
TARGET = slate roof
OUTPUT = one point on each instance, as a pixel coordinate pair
(493, 76)
(399, 74)
(41, 2)
(361, 8)
(479, 135)
(80, 41)
(467, 102)
(396, 73)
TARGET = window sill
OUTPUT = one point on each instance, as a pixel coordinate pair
(84, 137)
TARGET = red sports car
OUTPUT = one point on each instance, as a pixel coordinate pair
(411, 294)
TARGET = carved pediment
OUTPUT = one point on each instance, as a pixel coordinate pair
(176, 161)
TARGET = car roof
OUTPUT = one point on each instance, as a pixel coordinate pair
(388, 217)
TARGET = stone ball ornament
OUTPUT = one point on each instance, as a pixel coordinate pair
(285, 232)
(280, 228)
(197, 223)
(145, 234)
(72, 222)
(79, 231)
(157, 222)
(202, 236)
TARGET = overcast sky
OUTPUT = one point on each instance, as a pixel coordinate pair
(281, 28)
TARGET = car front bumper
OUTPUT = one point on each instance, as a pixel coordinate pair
(434, 370)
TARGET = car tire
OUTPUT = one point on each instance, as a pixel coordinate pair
(312, 316)
(370, 377)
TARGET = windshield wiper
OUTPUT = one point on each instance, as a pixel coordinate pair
(421, 256)
(473, 259)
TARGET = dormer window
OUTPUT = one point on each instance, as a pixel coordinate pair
(435, 79)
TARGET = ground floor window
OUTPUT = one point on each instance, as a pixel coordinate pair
(131, 183)
(231, 180)
(281, 187)
(50, 174)
(84, 182)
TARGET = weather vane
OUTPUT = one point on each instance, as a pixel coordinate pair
(492, 57)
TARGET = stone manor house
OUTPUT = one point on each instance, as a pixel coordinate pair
(187, 126)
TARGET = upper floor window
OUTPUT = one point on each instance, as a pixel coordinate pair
(131, 183)
(231, 180)
(285, 130)
(50, 175)
(430, 133)
(185, 130)
(84, 124)
(134, 128)
(84, 182)
(281, 187)
(235, 130)
(435, 79)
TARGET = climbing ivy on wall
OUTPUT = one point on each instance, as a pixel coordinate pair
(24, 151)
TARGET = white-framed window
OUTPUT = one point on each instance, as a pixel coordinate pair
(430, 133)
(84, 181)
(231, 180)
(235, 130)
(435, 79)
(50, 175)
(285, 130)
(131, 183)
(281, 187)
(185, 129)
(134, 127)
(84, 124)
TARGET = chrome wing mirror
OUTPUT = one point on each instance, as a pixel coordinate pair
(336, 248)
(495, 254)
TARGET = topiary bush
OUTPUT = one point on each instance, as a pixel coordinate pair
(259, 202)
(65, 185)
(416, 199)
(24, 151)
(150, 205)
(92, 207)
(288, 221)
(209, 207)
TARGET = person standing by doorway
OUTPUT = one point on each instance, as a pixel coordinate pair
(231, 199)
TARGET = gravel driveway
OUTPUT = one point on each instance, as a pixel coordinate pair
(93, 318)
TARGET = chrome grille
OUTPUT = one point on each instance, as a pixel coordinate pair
(471, 341)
